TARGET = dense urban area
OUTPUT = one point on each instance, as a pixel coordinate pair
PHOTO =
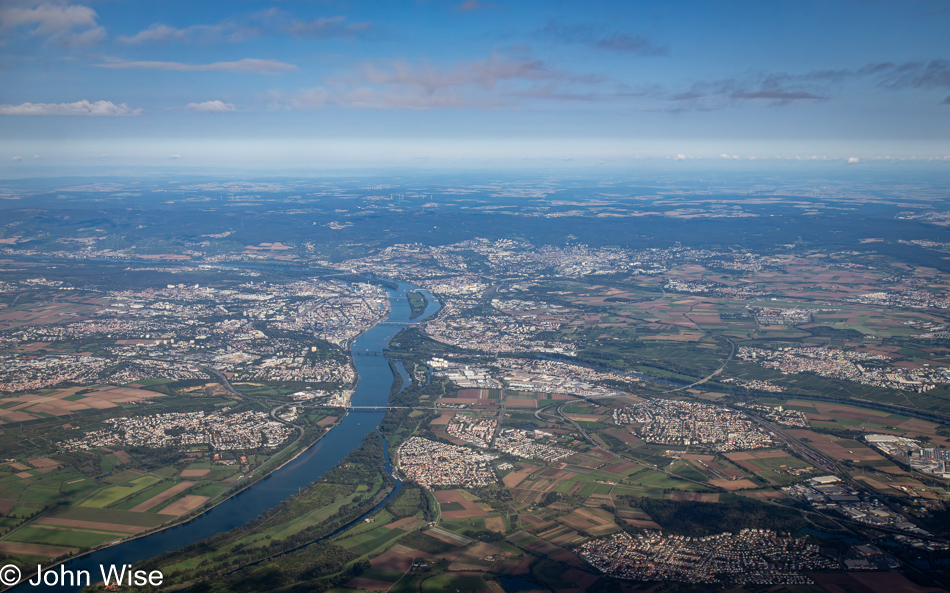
(581, 401)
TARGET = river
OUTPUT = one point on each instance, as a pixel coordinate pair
(373, 389)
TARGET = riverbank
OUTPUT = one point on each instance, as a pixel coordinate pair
(355, 486)
(195, 514)
(373, 389)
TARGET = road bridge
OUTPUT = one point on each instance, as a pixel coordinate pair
(384, 408)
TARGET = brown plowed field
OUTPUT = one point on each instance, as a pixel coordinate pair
(743, 455)
(369, 585)
(406, 523)
(734, 484)
(827, 445)
(44, 462)
(514, 478)
(517, 402)
(187, 503)
(444, 419)
(17, 549)
(162, 497)
(392, 560)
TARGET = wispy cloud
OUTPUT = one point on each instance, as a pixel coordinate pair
(64, 24)
(552, 92)
(484, 73)
(781, 88)
(775, 95)
(470, 5)
(211, 107)
(86, 108)
(487, 73)
(773, 88)
(926, 75)
(270, 22)
(502, 80)
(383, 98)
(602, 38)
(326, 28)
(245, 65)
(159, 32)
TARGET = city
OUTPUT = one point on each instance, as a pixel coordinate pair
(475, 296)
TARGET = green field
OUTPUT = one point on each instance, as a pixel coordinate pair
(114, 494)
(381, 574)
(452, 583)
(364, 543)
(660, 480)
(72, 538)
(769, 469)
(145, 495)
(42, 493)
(111, 516)
(211, 490)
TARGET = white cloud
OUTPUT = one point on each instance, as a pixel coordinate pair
(485, 73)
(726, 156)
(270, 22)
(17, 159)
(382, 98)
(853, 160)
(48, 18)
(159, 32)
(245, 65)
(211, 107)
(326, 28)
(681, 157)
(99, 108)
(68, 24)
(497, 81)
(174, 157)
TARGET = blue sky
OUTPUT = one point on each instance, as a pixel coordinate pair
(475, 83)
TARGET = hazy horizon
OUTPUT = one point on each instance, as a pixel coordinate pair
(471, 85)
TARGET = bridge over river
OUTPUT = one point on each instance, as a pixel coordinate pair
(374, 387)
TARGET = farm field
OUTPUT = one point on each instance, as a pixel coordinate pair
(62, 402)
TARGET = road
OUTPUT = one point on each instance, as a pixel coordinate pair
(223, 380)
(561, 418)
(712, 374)
(273, 414)
(796, 445)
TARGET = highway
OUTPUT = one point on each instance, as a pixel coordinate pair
(712, 374)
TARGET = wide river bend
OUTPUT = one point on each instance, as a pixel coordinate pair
(373, 389)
